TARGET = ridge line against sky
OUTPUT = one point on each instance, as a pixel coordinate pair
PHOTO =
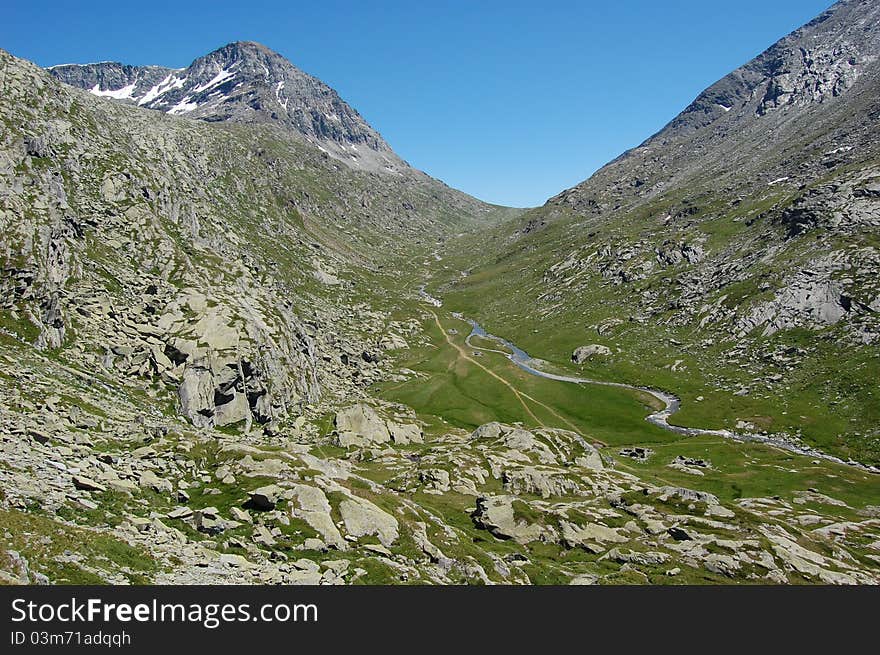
(508, 101)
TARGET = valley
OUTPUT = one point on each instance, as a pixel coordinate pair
(244, 342)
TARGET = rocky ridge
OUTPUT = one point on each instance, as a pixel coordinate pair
(243, 82)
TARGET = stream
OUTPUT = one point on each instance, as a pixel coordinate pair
(660, 418)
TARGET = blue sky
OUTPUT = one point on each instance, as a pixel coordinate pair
(510, 101)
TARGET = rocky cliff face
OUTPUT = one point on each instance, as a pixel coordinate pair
(248, 83)
(112, 79)
(816, 63)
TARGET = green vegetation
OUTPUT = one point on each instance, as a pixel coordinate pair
(461, 390)
(466, 391)
(47, 544)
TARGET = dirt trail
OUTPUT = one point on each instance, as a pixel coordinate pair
(463, 354)
(520, 395)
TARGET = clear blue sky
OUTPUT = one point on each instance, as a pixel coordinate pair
(510, 101)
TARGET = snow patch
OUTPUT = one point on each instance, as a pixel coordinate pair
(839, 150)
(278, 89)
(125, 93)
(169, 83)
(778, 180)
(183, 106)
(91, 63)
(724, 107)
(219, 78)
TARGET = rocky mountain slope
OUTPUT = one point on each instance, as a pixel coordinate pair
(208, 258)
(243, 82)
(735, 251)
(162, 275)
(779, 116)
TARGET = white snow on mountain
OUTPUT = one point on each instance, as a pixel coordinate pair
(169, 83)
(183, 106)
(219, 78)
(278, 89)
(124, 93)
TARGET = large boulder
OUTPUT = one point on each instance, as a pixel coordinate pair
(582, 354)
(324, 277)
(149, 480)
(589, 533)
(360, 425)
(405, 433)
(669, 492)
(488, 431)
(538, 482)
(392, 341)
(435, 480)
(311, 505)
(196, 394)
(208, 520)
(591, 458)
(496, 514)
(363, 518)
(265, 498)
(83, 483)
(180, 350)
(234, 411)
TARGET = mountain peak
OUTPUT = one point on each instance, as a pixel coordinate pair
(252, 46)
(245, 50)
(243, 82)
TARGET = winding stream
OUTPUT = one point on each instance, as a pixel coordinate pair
(660, 418)
(428, 298)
